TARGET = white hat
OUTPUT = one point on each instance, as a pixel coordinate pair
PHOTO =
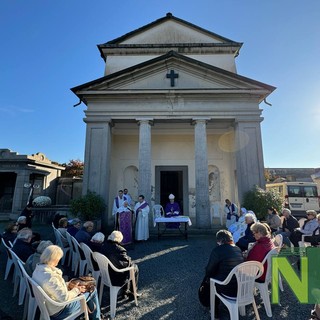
(116, 236)
(171, 196)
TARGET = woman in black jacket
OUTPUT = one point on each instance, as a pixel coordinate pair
(222, 260)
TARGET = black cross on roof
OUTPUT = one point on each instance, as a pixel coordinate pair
(172, 76)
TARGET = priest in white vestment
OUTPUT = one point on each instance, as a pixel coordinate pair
(118, 203)
(141, 210)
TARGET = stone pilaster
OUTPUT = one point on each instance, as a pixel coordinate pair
(20, 192)
(201, 174)
(97, 160)
(249, 157)
(145, 158)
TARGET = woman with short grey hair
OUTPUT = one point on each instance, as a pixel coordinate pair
(49, 277)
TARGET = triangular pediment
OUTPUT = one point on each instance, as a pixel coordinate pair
(168, 30)
(189, 74)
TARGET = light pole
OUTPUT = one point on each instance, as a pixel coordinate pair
(32, 187)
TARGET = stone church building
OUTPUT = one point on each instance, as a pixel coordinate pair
(171, 115)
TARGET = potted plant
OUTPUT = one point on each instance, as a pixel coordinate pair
(88, 207)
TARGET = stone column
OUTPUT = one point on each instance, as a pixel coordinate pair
(249, 169)
(201, 173)
(97, 160)
(144, 187)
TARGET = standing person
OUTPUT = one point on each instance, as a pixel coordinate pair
(232, 212)
(307, 229)
(27, 212)
(288, 225)
(141, 210)
(273, 219)
(172, 209)
(124, 215)
(117, 203)
(128, 196)
(224, 257)
(50, 279)
(263, 245)
(22, 222)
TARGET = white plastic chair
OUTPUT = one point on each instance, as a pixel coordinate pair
(59, 242)
(90, 267)
(104, 263)
(30, 306)
(246, 273)
(263, 286)
(73, 254)
(158, 211)
(43, 299)
(18, 279)
(10, 263)
(82, 262)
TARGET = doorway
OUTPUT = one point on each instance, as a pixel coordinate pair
(7, 186)
(172, 179)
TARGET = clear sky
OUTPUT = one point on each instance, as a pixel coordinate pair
(48, 47)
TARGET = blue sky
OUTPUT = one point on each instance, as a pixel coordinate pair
(49, 47)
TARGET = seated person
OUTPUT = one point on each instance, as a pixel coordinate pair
(263, 245)
(22, 222)
(231, 210)
(288, 225)
(75, 226)
(63, 224)
(314, 239)
(85, 233)
(224, 257)
(57, 218)
(34, 259)
(248, 237)
(310, 225)
(10, 233)
(273, 219)
(50, 279)
(22, 246)
(117, 254)
(172, 209)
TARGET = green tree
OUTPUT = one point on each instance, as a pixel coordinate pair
(259, 200)
(88, 207)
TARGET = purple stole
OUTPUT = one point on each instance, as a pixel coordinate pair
(141, 207)
(117, 201)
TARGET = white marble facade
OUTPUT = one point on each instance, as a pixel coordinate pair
(205, 121)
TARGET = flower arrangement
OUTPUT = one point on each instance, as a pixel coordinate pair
(41, 201)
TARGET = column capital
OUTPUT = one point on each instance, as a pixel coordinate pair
(145, 120)
(200, 120)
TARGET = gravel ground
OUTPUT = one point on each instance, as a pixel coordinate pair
(171, 270)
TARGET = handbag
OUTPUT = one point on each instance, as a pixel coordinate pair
(86, 281)
(204, 292)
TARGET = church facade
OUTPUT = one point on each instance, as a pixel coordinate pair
(171, 115)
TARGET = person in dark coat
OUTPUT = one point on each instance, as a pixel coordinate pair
(119, 258)
(22, 246)
(27, 212)
(85, 233)
(75, 227)
(224, 257)
(10, 233)
(248, 237)
(288, 225)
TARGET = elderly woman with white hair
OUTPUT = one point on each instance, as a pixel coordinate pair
(22, 246)
(50, 279)
(118, 256)
(248, 237)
